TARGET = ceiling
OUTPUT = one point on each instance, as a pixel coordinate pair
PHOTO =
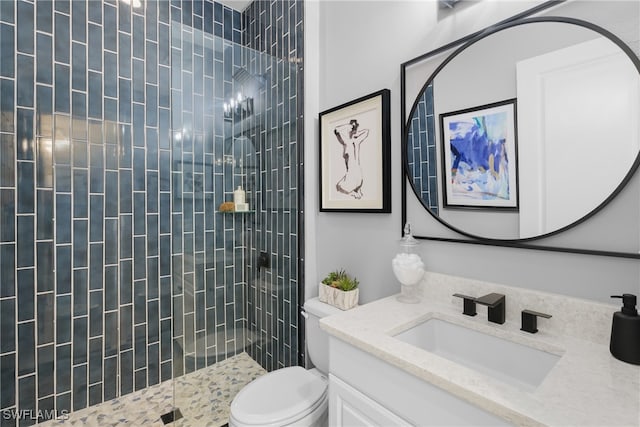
(239, 5)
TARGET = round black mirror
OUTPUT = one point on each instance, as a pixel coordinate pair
(526, 130)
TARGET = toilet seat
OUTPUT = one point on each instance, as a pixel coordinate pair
(280, 397)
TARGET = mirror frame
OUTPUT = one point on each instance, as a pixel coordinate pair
(456, 47)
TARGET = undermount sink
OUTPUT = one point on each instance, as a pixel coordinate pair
(514, 363)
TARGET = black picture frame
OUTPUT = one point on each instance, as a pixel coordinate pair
(492, 178)
(355, 156)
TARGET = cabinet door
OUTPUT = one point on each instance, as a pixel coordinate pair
(349, 407)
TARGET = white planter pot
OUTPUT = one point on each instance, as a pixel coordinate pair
(344, 300)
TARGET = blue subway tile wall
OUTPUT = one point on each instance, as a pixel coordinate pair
(116, 271)
(275, 29)
(421, 152)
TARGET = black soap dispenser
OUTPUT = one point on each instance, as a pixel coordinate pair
(625, 331)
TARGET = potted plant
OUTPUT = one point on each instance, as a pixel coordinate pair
(339, 289)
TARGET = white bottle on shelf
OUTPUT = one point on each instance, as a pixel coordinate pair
(239, 200)
(238, 195)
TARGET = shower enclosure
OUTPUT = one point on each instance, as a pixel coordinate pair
(123, 127)
(235, 274)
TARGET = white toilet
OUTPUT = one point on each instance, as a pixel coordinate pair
(290, 396)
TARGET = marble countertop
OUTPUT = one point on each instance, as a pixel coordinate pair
(587, 386)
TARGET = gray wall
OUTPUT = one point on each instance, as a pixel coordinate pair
(359, 47)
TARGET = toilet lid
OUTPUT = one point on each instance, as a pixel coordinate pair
(279, 396)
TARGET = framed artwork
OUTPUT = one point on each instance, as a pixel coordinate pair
(479, 155)
(355, 153)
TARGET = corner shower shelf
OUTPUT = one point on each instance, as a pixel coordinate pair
(235, 212)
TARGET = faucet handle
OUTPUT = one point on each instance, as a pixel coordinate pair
(491, 300)
(469, 305)
(530, 320)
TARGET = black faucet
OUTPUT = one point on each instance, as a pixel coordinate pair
(469, 305)
(496, 304)
(530, 322)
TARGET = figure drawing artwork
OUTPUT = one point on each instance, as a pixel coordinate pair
(479, 156)
(350, 138)
(354, 140)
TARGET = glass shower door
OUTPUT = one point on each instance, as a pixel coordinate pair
(233, 318)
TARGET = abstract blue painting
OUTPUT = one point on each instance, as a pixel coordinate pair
(479, 148)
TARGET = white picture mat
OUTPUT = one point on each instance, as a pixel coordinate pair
(368, 113)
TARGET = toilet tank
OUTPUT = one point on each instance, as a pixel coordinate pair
(318, 339)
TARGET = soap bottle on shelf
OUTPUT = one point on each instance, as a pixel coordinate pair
(239, 200)
(625, 331)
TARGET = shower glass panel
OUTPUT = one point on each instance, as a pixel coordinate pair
(234, 287)
(118, 274)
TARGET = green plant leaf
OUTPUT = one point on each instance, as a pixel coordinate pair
(339, 279)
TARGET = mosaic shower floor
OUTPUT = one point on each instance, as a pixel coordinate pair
(203, 398)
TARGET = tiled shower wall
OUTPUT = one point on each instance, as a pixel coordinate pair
(115, 271)
(208, 247)
(421, 151)
(275, 292)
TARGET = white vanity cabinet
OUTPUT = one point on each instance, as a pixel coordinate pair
(349, 407)
(366, 391)
(372, 352)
